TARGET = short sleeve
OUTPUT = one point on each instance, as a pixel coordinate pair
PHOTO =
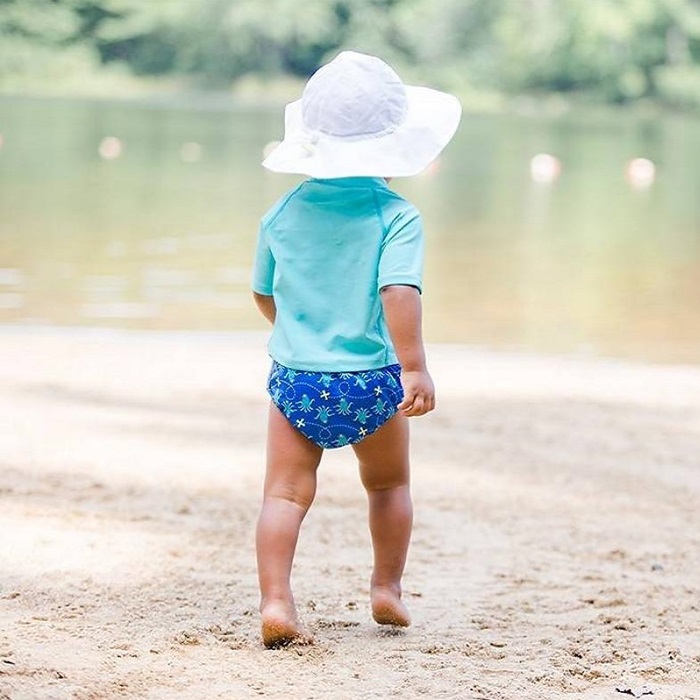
(264, 266)
(401, 260)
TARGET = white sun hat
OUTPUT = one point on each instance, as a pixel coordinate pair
(357, 118)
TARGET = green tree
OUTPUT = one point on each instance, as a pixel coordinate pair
(226, 39)
(143, 35)
(37, 43)
(619, 50)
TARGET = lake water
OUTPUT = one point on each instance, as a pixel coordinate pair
(162, 236)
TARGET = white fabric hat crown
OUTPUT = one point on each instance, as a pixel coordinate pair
(357, 118)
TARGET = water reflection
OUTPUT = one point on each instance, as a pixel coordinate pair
(593, 255)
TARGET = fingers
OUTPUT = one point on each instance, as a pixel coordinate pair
(417, 405)
(419, 393)
(408, 398)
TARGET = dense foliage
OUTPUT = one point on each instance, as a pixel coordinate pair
(619, 50)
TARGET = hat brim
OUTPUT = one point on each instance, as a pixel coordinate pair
(432, 117)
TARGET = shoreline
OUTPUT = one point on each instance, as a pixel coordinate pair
(261, 335)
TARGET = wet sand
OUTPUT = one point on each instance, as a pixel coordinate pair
(556, 551)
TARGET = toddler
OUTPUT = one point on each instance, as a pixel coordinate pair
(338, 275)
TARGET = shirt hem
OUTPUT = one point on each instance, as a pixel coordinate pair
(380, 363)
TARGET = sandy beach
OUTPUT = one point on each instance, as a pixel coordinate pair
(556, 551)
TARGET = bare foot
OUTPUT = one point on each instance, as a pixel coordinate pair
(387, 608)
(280, 625)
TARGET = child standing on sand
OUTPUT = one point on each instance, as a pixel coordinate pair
(338, 274)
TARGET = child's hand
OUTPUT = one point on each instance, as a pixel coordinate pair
(419, 393)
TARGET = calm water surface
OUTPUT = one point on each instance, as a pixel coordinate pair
(162, 236)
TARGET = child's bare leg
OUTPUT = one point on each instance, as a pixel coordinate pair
(290, 486)
(384, 469)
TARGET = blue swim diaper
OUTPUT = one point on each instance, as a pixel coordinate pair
(334, 409)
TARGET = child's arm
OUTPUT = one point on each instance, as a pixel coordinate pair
(266, 305)
(402, 311)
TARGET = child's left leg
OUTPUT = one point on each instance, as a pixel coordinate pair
(290, 487)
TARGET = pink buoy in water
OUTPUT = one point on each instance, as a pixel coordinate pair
(110, 148)
(545, 168)
(640, 173)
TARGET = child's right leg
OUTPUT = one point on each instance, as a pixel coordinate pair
(384, 469)
(290, 486)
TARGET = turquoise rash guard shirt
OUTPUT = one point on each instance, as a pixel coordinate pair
(325, 250)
